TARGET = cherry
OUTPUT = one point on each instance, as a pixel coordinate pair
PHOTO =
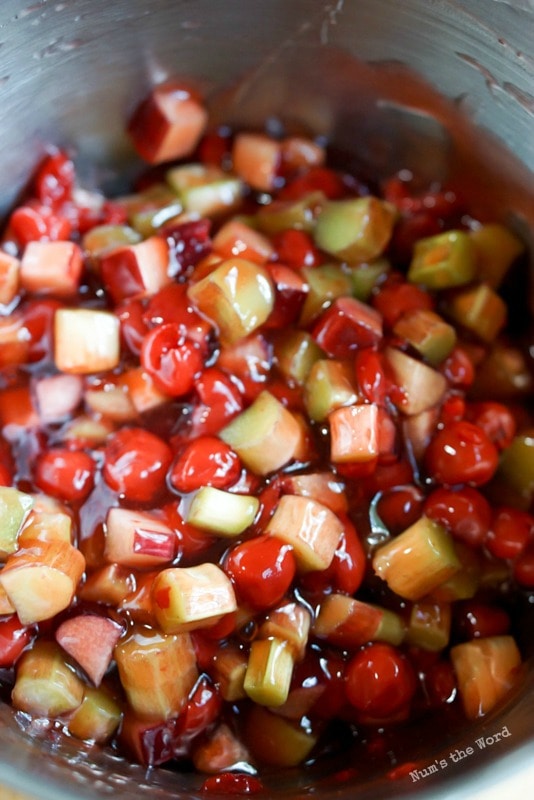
(14, 638)
(262, 570)
(510, 533)
(66, 474)
(395, 297)
(380, 680)
(458, 368)
(136, 463)
(219, 401)
(478, 620)
(172, 359)
(231, 783)
(496, 420)
(371, 376)
(461, 453)
(296, 249)
(206, 461)
(464, 512)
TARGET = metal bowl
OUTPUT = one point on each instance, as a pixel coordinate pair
(442, 88)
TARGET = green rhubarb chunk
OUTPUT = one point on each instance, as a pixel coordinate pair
(147, 221)
(222, 513)
(355, 230)
(14, 509)
(281, 215)
(296, 352)
(328, 386)
(443, 261)
(366, 276)
(480, 310)
(325, 283)
(428, 333)
(429, 626)
(515, 476)
(205, 190)
(46, 685)
(496, 249)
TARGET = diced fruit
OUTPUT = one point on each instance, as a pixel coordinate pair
(86, 340)
(516, 470)
(296, 353)
(235, 238)
(256, 159)
(431, 336)
(237, 297)
(102, 238)
(220, 751)
(136, 269)
(429, 626)
(261, 561)
(57, 397)
(346, 326)
(265, 436)
(486, 669)
(496, 249)
(354, 433)
(380, 681)
(97, 718)
(325, 283)
(207, 191)
(421, 387)
(269, 672)
(309, 527)
(157, 671)
(108, 585)
(350, 623)
(330, 384)
(355, 230)
(278, 741)
(168, 124)
(289, 623)
(220, 512)
(51, 267)
(46, 686)
(229, 668)
(65, 474)
(136, 463)
(287, 217)
(186, 598)
(325, 487)
(418, 560)
(15, 507)
(443, 261)
(480, 310)
(90, 640)
(48, 526)
(41, 579)
(366, 276)
(9, 278)
(136, 539)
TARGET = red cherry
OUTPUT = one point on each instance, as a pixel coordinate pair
(172, 359)
(478, 620)
(461, 453)
(54, 180)
(395, 297)
(136, 463)
(510, 533)
(371, 376)
(219, 401)
(14, 637)
(380, 681)
(66, 474)
(496, 420)
(296, 249)
(458, 369)
(464, 512)
(262, 570)
(206, 461)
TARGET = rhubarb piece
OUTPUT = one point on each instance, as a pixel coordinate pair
(14, 344)
(138, 539)
(112, 402)
(420, 386)
(346, 326)
(103, 238)
(205, 190)
(428, 333)
(429, 626)
(221, 750)
(237, 297)
(299, 151)
(228, 672)
(480, 310)
(269, 672)
(418, 560)
(220, 512)
(141, 390)
(186, 598)
(17, 409)
(90, 640)
(486, 669)
(291, 291)
(15, 507)
(46, 686)
(354, 433)
(516, 469)
(283, 215)
(289, 623)
(46, 526)
(157, 671)
(86, 340)
(136, 269)
(309, 527)
(236, 238)
(265, 436)
(295, 353)
(57, 397)
(355, 230)
(97, 718)
(325, 283)
(418, 430)
(256, 159)
(9, 278)
(108, 585)
(366, 276)
(51, 268)
(496, 249)
(168, 124)
(325, 487)
(277, 741)
(87, 430)
(330, 384)
(41, 579)
(465, 582)
(349, 623)
(443, 261)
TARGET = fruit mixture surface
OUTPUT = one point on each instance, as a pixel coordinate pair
(266, 455)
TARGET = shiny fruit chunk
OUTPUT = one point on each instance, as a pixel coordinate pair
(349, 623)
(289, 623)
(269, 672)
(186, 598)
(15, 507)
(256, 159)
(354, 433)
(172, 359)
(52, 268)
(9, 278)
(443, 261)
(380, 681)
(86, 340)
(486, 670)
(355, 230)
(461, 452)
(136, 463)
(220, 512)
(97, 717)
(136, 269)
(207, 461)
(428, 333)
(421, 387)
(168, 124)
(57, 397)
(65, 474)
(46, 686)
(261, 561)
(277, 741)
(137, 539)
(346, 326)
(90, 640)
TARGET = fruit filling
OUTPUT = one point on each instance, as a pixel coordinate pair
(266, 455)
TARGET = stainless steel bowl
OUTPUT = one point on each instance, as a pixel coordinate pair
(440, 87)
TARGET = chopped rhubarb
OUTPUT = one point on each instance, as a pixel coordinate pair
(346, 326)
(354, 433)
(289, 623)
(52, 268)
(136, 269)
(350, 623)
(269, 672)
(235, 238)
(330, 384)
(222, 513)
(90, 640)
(136, 539)
(97, 717)
(277, 741)
(496, 249)
(186, 598)
(9, 278)
(256, 159)
(15, 507)
(355, 230)
(420, 386)
(443, 261)
(46, 685)
(86, 340)
(57, 397)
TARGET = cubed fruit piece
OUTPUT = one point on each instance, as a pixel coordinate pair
(237, 297)
(136, 269)
(269, 672)
(86, 340)
(138, 539)
(108, 585)
(465, 582)
(236, 238)
(428, 333)
(97, 718)
(17, 408)
(496, 249)
(14, 341)
(102, 238)
(51, 268)
(418, 430)
(325, 487)
(355, 230)
(41, 579)
(206, 191)
(346, 326)
(265, 436)
(57, 397)
(219, 751)
(277, 741)
(46, 686)
(168, 124)
(284, 215)
(220, 512)
(46, 526)
(187, 598)
(330, 384)
(349, 623)
(516, 469)
(157, 671)
(486, 670)
(141, 389)
(90, 640)
(289, 623)
(9, 278)
(419, 386)
(354, 433)
(429, 626)
(228, 671)
(291, 291)
(309, 527)
(256, 159)
(443, 261)
(479, 309)
(295, 353)
(418, 560)
(366, 276)
(111, 402)
(325, 283)
(15, 507)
